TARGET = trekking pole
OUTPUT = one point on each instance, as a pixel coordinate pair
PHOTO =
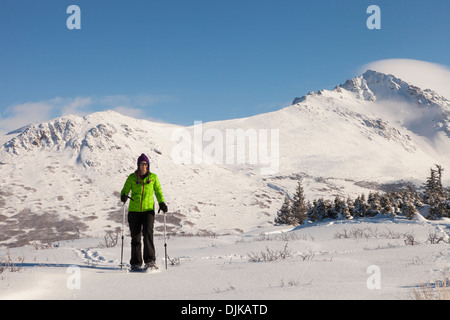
(123, 226)
(165, 244)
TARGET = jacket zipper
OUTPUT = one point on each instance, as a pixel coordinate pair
(142, 193)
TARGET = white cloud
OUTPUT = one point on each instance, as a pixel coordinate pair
(75, 106)
(425, 75)
(19, 115)
(130, 101)
(130, 112)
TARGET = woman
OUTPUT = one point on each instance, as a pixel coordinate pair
(141, 212)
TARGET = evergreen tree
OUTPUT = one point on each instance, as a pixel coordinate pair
(395, 200)
(405, 202)
(319, 210)
(439, 186)
(436, 196)
(438, 210)
(386, 206)
(433, 187)
(374, 204)
(351, 207)
(409, 210)
(340, 209)
(298, 208)
(361, 206)
(284, 214)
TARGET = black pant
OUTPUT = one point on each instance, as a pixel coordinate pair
(141, 223)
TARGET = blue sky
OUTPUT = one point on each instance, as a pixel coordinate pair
(184, 60)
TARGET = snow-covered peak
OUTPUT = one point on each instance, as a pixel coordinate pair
(88, 139)
(70, 132)
(421, 110)
(59, 132)
(376, 86)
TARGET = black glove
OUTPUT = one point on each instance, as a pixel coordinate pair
(124, 198)
(163, 207)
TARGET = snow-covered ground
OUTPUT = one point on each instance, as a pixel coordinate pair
(334, 259)
(60, 182)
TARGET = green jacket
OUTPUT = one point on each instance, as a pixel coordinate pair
(142, 192)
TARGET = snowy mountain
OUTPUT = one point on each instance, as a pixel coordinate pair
(433, 109)
(60, 179)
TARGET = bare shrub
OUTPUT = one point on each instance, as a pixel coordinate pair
(40, 246)
(434, 238)
(437, 290)
(174, 262)
(270, 255)
(229, 288)
(293, 283)
(290, 283)
(410, 239)
(7, 264)
(307, 255)
(367, 233)
(110, 240)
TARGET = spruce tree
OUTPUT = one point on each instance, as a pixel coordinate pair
(361, 206)
(409, 210)
(386, 206)
(351, 207)
(341, 209)
(299, 208)
(318, 211)
(433, 187)
(435, 195)
(374, 204)
(284, 214)
(439, 187)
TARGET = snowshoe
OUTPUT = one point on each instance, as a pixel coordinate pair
(137, 269)
(151, 266)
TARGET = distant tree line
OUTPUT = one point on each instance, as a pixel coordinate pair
(433, 203)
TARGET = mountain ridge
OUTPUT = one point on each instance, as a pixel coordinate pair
(69, 170)
(373, 85)
(378, 88)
